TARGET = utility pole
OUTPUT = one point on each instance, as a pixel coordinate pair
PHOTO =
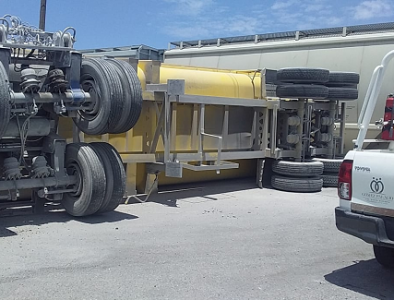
(43, 9)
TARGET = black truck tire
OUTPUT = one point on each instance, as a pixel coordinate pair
(289, 184)
(330, 165)
(95, 79)
(384, 256)
(343, 79)
(302, 91)
(330, 180)
(132, 95)
(342, 93)
(115, 175)
(5, 101)
(82, 161)
(302, 75)
(117, 99)
(297, 169)
(126, 104)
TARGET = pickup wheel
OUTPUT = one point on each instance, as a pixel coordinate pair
(289, 184)
(83, 162)
(302, 91)
(132, 95)
(384, 256)
(115, 175)
(298, 169)
(303, 75)
(5, 100)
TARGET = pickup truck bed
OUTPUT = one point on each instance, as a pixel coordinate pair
(366, 179)
(366, 191)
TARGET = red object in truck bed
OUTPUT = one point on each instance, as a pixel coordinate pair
(388, 116)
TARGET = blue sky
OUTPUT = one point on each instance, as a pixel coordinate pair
(116, 23)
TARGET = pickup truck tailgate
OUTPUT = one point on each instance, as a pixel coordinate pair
(373, 182)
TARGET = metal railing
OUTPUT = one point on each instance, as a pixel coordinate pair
(370, 99)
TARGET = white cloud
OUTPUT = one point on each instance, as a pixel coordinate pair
(209, 28)
(242, 25)
(185, 32)
(190, 7)
(311, 14)
(315, 7)
(204, 19)
(372, 8)
(334, 21)
(304, 6)
(278, 5)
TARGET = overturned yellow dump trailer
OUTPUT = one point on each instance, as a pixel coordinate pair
(181, 124)
(196, 125)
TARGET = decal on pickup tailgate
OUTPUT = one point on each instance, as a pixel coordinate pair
(377, 185)
(362, 169)
(376, 196)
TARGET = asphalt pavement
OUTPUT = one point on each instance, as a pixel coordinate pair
(223, 240)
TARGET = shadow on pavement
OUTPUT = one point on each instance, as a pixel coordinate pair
(56, 216)
(365, 277)
(5, 232)
(207, 191)
(169, 196)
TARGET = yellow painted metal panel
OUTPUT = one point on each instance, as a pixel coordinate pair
(209, 82)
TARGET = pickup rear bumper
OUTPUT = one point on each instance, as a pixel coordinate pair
(368, 228)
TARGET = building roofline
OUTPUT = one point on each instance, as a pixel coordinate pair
(287, 35)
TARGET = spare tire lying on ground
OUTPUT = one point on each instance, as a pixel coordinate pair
(331, 170)
(289, 184)
(330, 180)
(297, 176)
(330, 165)
(298, 169)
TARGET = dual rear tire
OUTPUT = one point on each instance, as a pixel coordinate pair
(97, 167)
(116, 97)
(100, 179)
(115, 107)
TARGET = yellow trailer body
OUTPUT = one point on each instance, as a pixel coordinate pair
(139, 147)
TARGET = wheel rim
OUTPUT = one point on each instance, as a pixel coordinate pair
(74, 170)
(88, 84)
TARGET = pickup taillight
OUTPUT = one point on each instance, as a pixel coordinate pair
(345, 180)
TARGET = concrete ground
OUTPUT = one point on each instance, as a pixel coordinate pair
(226, 240)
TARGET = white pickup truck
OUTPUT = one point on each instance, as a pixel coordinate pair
(366, 183)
